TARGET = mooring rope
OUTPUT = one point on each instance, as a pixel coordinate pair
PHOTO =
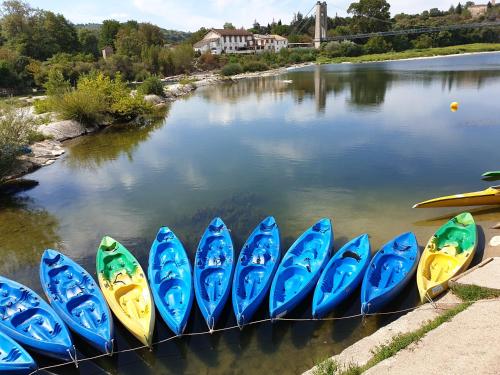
(76, 361)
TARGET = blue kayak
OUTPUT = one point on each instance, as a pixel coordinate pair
(77, 299)
(13, 358)
(213, 270)
(342, 275)
(28, 319)
(389, 272)
(300, 268)
(254, 272)
(171, 279)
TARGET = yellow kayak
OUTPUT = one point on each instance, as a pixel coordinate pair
(125, 287)
(448, 253)
(489, 196)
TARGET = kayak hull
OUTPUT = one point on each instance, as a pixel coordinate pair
(77, 299)
(213, 271)
(492, 174)
(257, 263)
(490, 196)
(448, 253)
(13, 358)
(125, 288)
(390, 270)
(341, 276)
(29, 320)
(300, 268)
(171, 280)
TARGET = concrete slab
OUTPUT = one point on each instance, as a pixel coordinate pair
(468, 344)
(361, 352)
(486, 274)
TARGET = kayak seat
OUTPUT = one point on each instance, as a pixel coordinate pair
(439, 267)
(36, 323)
(115, 263)
(130, 298)
(212, 283)
(258, 251)
(289, 283)
(461, 238)
(388, 271)
(173, 293)
(14, 301)
(338, 275)
(213, 252)
(250, 282)
(88, 310)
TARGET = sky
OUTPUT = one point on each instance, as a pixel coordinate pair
(190, 15)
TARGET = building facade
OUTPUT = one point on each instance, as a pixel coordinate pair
(218, 41)
(270, 42)
(480, 9)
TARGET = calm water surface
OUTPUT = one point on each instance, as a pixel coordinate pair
(357, 143)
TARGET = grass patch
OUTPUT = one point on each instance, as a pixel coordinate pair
(472, 293)
(399, 342)
(402, 341)
(187, 81)
(413, 53)
(330, 367)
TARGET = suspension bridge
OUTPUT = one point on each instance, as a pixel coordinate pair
(321, 28)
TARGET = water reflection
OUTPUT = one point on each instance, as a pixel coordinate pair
(366, 84)
(26, 229)
(92, 151)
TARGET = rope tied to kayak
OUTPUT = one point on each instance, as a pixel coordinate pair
(77, 361)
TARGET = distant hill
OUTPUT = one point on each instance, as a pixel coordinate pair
(171, 36)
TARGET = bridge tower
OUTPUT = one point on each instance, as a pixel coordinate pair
(321, 24)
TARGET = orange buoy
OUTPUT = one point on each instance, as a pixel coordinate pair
(454, 106)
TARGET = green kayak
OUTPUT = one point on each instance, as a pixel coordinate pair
(491, 174)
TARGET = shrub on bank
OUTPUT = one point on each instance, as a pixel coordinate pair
(42, 106)
(151, 85)
(376, 44)
(17, 131)
(231, 69)
(255, 66)
(98, 98)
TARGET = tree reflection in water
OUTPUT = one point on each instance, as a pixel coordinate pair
(26, 230)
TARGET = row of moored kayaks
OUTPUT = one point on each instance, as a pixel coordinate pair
(77, 302)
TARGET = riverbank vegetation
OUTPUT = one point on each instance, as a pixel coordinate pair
(34, 42)
(414, 53)
(17, 131)
(467, 293)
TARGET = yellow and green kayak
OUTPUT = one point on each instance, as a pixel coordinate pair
(448, 253)
(125, 287)
(490, 196)
(492, 174)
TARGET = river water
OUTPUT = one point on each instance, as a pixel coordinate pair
(357, 143)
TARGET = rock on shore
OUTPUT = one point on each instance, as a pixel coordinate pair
(67, 129)
(42, 153)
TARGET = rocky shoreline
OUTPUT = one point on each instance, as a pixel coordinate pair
(46, 152)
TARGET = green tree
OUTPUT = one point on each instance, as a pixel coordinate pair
(229, 25)
(376, 44)
(127, 42)
(197, 35)
(182, 58)
(89, 41)
(423, 41)
(458, 9)
(150, 34)
(370, 15)
(107, 34)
